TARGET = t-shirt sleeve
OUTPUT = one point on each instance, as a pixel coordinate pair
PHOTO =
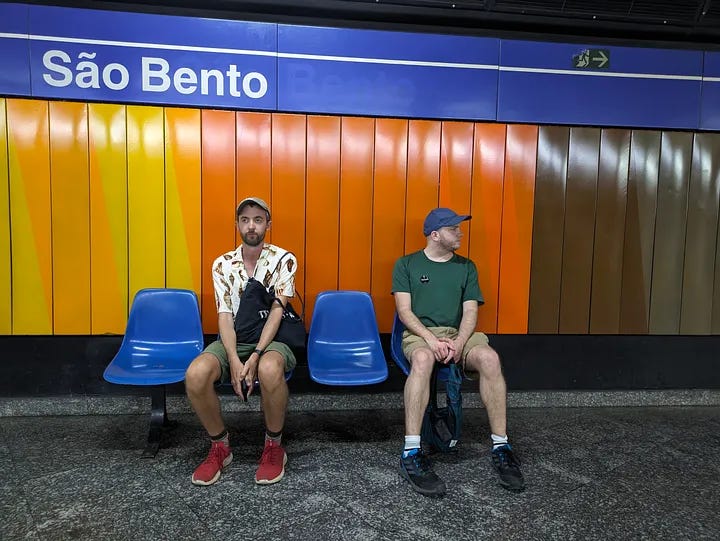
(400, 276)
(223, 297)
(471, 291)
(285, 283)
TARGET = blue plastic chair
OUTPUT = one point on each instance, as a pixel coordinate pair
(344, 343)
(397, 353)
(163, 335)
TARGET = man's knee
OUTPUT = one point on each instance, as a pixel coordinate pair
(422, 362)
(271, 369)
(202, 372)
(485, 361)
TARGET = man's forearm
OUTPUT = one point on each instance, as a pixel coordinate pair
(226, 328)
(271, 327)
(467, 325)
(414, 325)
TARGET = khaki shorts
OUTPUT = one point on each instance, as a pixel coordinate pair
(244, 351)
(411, 342)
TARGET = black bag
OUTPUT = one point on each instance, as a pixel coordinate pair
(441, 427)
(254, 309)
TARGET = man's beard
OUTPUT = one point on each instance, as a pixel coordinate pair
(256, 240)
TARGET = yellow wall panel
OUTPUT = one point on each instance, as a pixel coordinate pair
(182, 198)
(146, 198)
(5, 247)
(108, 218)
(70, 192)
(29, 169)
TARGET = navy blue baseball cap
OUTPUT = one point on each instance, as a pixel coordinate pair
(442, 217)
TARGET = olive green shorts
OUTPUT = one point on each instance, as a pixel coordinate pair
(244, 351)
(411, 342)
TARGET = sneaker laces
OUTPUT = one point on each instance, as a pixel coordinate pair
(272, 453)
(215, 454)
(506, 457)
(420, 463)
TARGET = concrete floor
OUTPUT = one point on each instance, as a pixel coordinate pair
(648, 472)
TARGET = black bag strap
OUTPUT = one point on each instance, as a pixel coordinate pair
(302, 302)
(433, 386)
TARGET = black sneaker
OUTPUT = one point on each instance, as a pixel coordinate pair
(416, 469)
(508, 468)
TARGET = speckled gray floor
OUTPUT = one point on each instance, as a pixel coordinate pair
(592, 473)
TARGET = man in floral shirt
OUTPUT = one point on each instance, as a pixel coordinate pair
(227, 360)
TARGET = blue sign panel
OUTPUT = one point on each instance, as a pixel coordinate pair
(603, 86)
(57, 52)
(14, 60)
(710, 110)
(105, 56)
(363, 72)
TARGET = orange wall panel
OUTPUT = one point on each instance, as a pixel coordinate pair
(289, 146)
(5, 247)
(391, 161)
(108, 218)
(218, 202)
(323, 206)
(30, 216)
(518, 198)
(70, 189)
(183, 199)
(423, 180)
(456, 163)
(486, 210)
(253, 157)
(356, 203)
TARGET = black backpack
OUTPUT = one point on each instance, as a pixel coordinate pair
(441, 427)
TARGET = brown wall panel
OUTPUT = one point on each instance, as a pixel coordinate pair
(670, 226)
(548, 225)
(716, 289)
(579, 230)
(702, 227)
(609, 232)
(639, 232)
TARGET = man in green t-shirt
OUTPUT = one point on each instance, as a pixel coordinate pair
(437, 297)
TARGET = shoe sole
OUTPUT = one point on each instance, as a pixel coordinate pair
(225, 464)
(428, 493)
(272, 481)
(511, 488)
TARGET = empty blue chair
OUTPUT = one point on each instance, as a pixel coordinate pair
(163, 336)
(344, 343)
(397, 353)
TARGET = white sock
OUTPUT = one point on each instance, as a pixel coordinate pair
(499, 440)
(411, 442)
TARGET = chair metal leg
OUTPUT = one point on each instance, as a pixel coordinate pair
(158, 420)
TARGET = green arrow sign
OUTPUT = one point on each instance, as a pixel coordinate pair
(592, 59)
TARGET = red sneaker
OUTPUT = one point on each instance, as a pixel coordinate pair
(219, 457)
(272, 464)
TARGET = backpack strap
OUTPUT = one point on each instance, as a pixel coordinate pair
(275, 299)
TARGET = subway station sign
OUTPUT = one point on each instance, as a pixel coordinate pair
(92, 55)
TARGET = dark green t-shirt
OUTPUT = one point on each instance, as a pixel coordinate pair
(437, 289)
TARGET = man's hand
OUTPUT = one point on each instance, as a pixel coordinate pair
(236, 377)
(249, 373)
(458, 346)
(442, 348)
